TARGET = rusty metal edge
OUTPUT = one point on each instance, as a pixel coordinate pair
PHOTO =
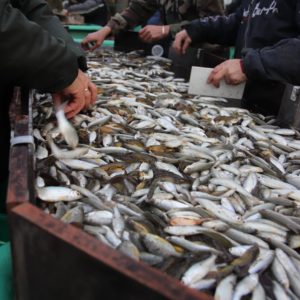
(138, 271)
(20, 183)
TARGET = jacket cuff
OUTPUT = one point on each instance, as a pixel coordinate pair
(242, 66)
(193, 32)
(253, 67)
(64, 81)
(79, 53)
(111, 24)
(175, 28)
(82, 63)
(117, 23)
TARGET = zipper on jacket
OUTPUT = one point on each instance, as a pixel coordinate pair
(251, 8)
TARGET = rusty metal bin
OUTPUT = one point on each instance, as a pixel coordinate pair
(53, 260)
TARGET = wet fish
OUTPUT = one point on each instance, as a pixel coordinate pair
(65, 127)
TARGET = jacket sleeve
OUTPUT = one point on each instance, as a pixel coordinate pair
(221, 30)
(277, 62)
(137, 12)
(204, 8)
(85, 7)
(39, 12)
(274, 62)
(32, 57)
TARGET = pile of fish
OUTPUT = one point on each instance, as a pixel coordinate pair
(206, 193)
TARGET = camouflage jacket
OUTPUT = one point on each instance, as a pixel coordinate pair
(175, 13)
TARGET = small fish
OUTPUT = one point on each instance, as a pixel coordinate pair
(245, 286)
(98, 218)
(224, 290)
(198, 271)
(65, 127)
(159, 246)
(57, 193)
(60, 154)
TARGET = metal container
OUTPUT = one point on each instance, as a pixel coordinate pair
(53, 260)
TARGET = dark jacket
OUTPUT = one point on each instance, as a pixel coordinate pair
(85, 6)
(266, 36)
(174, 12)
(35, 52)
(35, 49)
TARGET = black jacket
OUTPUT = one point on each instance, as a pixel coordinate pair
(35, 50)
(266, 36)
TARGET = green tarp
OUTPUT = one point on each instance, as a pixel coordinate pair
(5, 254)
(5, 272)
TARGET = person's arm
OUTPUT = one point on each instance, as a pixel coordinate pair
(30, 56)
(137, 12)
(85, 7)
(39, 12)
(279, 62)
(216, 29)
(205, 8)
(221, 30)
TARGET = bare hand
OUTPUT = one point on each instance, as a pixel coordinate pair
(80, 95)
(152, 33)
(230, 70)
(96, 38)
(182, 42)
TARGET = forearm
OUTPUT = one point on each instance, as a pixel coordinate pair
(84, 7)
(137, 12)
(274, 63)
(220, 30)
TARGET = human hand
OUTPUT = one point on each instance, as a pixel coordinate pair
(95, 37)
(230, 70)
(64, 12)
(152, 33)
(80, 95)
(182, 42)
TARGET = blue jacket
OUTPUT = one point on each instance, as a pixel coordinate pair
(266, 36)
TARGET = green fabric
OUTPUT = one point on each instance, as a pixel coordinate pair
(6, 292)
(6, 279)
